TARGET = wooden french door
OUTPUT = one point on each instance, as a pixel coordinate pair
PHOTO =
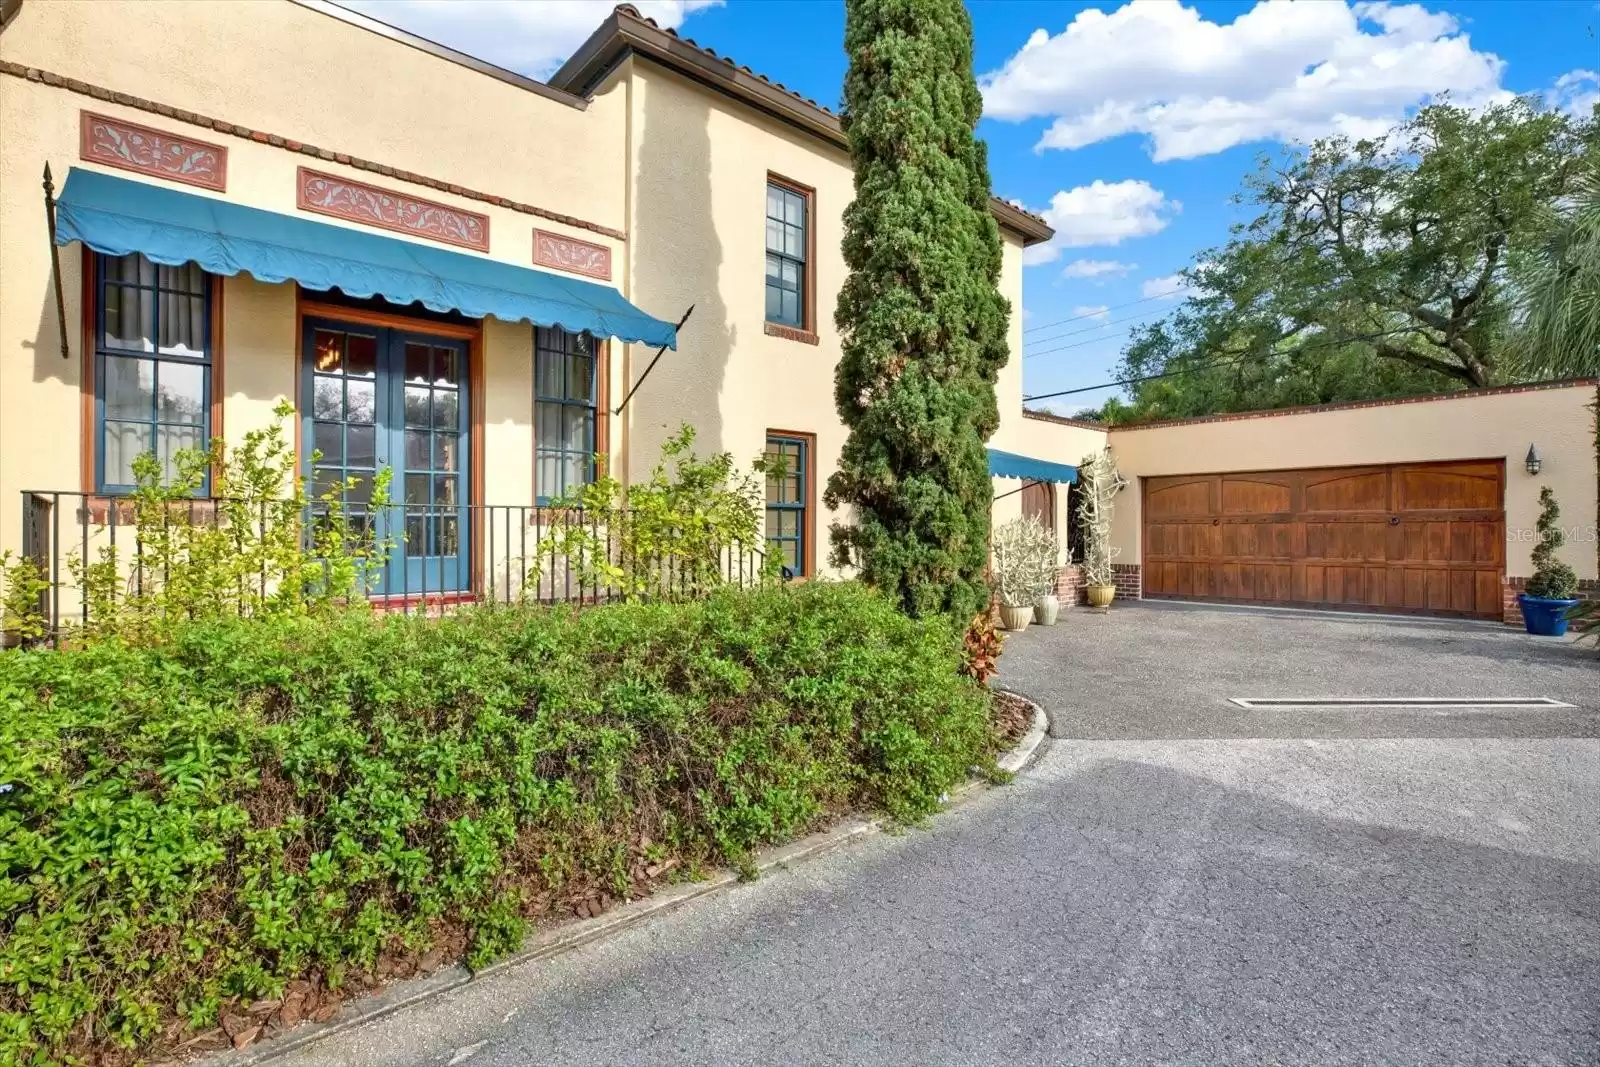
(1413, 537)
(376, 398)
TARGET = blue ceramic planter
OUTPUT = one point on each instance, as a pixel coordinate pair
(1544, 616)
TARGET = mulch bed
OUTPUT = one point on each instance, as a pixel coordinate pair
(1012, 716)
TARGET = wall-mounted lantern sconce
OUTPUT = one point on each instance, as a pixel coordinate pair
(1534, 461)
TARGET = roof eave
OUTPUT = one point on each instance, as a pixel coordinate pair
(624, 33)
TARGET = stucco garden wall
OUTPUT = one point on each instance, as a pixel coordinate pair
(1491, 424)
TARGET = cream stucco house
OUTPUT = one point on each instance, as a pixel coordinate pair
(537, 242)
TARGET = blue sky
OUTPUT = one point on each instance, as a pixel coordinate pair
(1128, 125)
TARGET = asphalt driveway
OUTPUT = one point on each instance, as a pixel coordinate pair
(1165, 669)
(1194, 892)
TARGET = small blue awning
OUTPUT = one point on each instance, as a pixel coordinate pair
(117, 216)
(1011, 465)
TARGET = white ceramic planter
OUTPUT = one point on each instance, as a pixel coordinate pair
(1045, 609)
(1015, 617)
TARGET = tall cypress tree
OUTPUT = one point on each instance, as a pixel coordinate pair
(921, 316)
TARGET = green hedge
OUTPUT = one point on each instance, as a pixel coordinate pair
(326, 803)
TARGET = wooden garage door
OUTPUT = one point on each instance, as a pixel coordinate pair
(1422, 537)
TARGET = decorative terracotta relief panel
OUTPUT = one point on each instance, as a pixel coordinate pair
(570, 254)
(329, 194)
(119, 143)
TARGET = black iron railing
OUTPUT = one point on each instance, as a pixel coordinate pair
(408, 557)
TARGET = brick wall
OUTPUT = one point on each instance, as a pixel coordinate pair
(1511, 611)
(1129, 582)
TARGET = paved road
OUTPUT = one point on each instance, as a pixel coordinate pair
(1148, 900)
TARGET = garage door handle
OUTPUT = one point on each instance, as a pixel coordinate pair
(1216, 522)
(1394, 520)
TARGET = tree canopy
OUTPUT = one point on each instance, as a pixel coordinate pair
(921, 318)
(1371, 268)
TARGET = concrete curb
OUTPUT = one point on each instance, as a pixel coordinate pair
(565, 938)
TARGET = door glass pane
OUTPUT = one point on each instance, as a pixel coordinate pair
(130, 388)
(360, 401)
(328, 351)
(446, 409)
(361, 356)
(327, 398)
(417, 405)
(444, 366)
(361, 447)
(328, 440)
(417, 489)
(417, 369)
(182, 393)
(446, 447)
(444, 490)
(417, 449)
(449, 535)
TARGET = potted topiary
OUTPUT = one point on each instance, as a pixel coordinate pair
(1100, 482)
(1548, 595)
(1046, 605)
(1019, 549)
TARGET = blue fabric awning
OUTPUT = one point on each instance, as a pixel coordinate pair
(1011, 465)
(117, 216)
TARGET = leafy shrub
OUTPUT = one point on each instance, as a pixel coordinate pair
(1551, 577)
(981, 647)
(678, 533)
(265, 810)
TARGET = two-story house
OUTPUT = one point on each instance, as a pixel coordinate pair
(451, 270)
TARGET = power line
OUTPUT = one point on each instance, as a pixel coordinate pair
(1228, 363)
(1102, 311)
(1144, 315)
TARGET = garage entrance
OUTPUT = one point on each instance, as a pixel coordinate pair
(1414, 537)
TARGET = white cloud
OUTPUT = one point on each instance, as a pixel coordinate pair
(1575, 92)
(1098, 312)
(1280, 71)
(1172, 287)
(1102, 213)
(532, 37)
(1094, 268)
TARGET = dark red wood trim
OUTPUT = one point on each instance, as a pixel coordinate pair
(157, 153)
(345, 198)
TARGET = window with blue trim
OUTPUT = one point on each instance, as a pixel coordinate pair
(566, 401)
(786, 256)
(787, 472)
(152, 365)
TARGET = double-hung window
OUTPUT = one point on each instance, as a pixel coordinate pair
(788, 474)
(152, 365)
(566, 398)
(786, 256)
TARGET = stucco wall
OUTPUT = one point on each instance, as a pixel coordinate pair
(1488, 426)
(272, 65)
(322, 81)
(700, 163)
